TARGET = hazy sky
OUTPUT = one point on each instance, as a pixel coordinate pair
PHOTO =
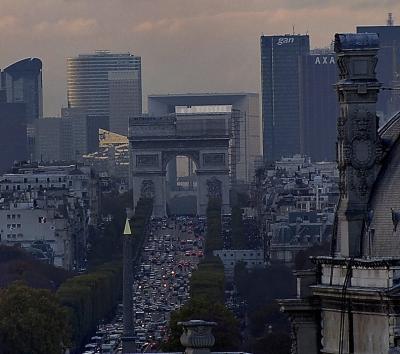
(185, 45)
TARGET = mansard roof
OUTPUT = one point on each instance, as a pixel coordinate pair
(385, 196)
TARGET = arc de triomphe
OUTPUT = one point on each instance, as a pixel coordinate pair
(154, 141)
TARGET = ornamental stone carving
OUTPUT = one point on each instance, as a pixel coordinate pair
(362, 120)
(197, 336)
(214, 186)
(147, 189)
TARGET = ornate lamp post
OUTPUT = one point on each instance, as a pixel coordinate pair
(128, 339)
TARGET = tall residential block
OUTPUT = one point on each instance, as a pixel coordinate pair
(22, 82)
(280, 59)
(106, 84)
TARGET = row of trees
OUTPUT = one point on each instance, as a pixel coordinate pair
(213, 239)
(239, 241)
(18, 265)
(40, 321)
(207, 289)
(31, 321)
(91, 297)
(106, 245)
(269, 328)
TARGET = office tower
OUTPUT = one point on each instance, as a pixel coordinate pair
(84, 130)
(125, 99)
(245, 129)
(93, 125)
(53, 139)
(23, 84)
(318, 105)
(13, 139)
(280, 56)
(106, 83)
(78, 117)
(388, 68)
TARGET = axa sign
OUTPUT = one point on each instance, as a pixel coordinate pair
(285, 40)
(324, 60)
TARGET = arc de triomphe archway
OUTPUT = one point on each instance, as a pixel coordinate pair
(154, 141)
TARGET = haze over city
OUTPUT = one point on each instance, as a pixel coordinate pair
(186, 46)
(199, 176)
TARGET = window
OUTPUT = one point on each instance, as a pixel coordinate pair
(18, 216)
(13, 216)
(8, 216)
(14, 226)
(18, 226)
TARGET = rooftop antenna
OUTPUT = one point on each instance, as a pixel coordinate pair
(390, 21)
(293, 29)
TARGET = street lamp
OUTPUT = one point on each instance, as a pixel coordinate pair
(128, 339)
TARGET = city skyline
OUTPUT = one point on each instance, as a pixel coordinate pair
(155, 29)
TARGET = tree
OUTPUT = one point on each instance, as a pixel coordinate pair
(31, 321)
(239, 241)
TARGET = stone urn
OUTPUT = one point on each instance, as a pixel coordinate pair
(197, 336)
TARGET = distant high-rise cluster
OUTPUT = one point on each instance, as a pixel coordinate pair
(106, 84)
(299, 108)
(298, 100)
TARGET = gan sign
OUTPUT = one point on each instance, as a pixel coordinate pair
(285, 40)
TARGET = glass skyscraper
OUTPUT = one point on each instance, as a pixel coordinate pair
(22, 82)
(318, 105)
(94, 81)
(280, 57)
